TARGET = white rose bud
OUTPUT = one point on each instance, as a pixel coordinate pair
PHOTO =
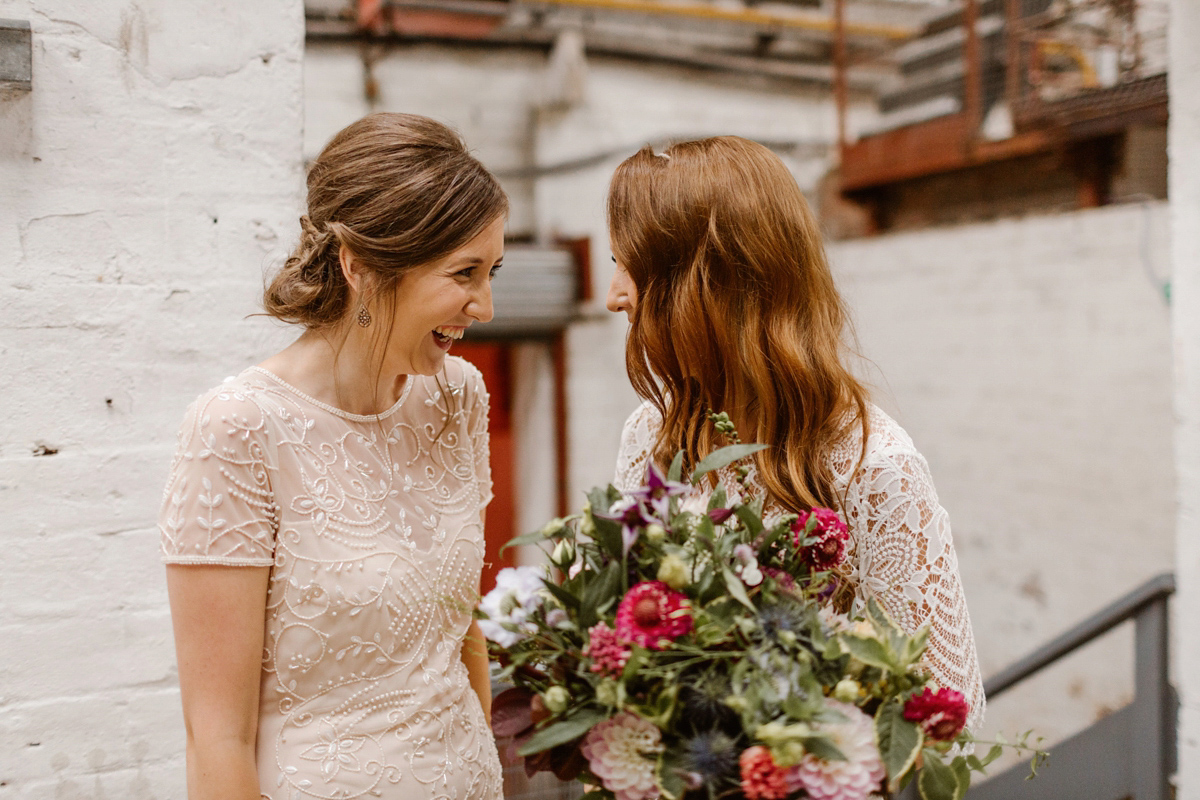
(655, 533)
(606, 693)
(556, 699)
(847, 690)
(673, 571)
(564, 552)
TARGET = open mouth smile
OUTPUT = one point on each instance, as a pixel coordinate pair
(445, 334)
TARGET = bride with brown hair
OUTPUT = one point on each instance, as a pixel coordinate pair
(732, 307)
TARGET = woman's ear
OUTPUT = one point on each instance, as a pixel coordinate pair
(352, 270)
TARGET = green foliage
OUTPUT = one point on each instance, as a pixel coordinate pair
(899, 740)
(773, 652)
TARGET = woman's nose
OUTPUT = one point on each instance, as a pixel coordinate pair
(480, 305)
(618, 295)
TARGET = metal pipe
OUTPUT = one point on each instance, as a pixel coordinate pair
(839, 72)
(972, 72)
(1012, 56)
(749, 16)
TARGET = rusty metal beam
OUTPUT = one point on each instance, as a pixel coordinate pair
(808, 22)
(972, 69)
(839, 71)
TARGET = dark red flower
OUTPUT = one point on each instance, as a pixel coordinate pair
(830, 534)
(652, 615)
(942, 714)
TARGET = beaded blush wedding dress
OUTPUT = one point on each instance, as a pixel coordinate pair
(371, 527)
(900, 551)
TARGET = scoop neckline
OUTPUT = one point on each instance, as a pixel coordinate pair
(338, 412)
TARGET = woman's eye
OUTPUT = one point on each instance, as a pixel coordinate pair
(466, 272)
(492, 272)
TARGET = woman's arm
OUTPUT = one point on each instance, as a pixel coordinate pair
(475, 657)
(218, 614)
(906, 560)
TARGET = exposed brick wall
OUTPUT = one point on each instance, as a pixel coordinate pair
(145, 183)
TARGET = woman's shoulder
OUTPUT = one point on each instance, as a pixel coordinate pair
(888, 446)
(242, 396)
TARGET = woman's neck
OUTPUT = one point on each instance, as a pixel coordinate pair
(335, 367)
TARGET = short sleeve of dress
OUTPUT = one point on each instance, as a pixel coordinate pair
(906, 561)
(636, 440)
(218, 507)
(478, 402)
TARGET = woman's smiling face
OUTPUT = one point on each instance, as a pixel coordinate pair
(436, 303)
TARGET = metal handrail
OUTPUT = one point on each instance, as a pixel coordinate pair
(1095, 626)
(1130, 752)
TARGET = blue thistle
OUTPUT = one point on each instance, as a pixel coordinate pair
(713, 756)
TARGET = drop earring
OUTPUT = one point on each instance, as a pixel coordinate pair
(364, 316)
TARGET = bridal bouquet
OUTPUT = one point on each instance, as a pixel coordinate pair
(691, 650)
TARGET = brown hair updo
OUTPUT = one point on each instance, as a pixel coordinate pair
(736, 311)
(398, 191)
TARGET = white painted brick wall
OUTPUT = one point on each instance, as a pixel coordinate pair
(1030, 360)
(1184, 149)
(147, 181)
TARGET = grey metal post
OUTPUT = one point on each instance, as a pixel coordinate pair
(1153, 706)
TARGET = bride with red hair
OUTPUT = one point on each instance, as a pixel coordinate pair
(732, 307)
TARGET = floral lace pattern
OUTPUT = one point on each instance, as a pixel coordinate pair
(901, 552)
(372, 529)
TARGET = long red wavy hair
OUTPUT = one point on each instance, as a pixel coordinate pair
(736, 311)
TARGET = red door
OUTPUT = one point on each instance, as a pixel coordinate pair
(492, 359)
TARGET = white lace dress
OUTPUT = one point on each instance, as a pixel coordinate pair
(901, 552)
(371, 527)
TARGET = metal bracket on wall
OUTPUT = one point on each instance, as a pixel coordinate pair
(16, 56)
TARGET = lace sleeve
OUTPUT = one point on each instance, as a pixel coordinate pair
(478, 404)
(906, 561)
(637, 437)
(218, 506)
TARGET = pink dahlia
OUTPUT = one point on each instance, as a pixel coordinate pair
(621, 753)
(942, 714)
(653, 615)
(831, 536)
(860, 774)
(607, 653)
(762, 778)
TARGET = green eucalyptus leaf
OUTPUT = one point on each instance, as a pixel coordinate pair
(599, 593)
(937, 781)
(567, 730)
(899, 741)
(823, 748)
(750, 519)
(869, 651)
(676, 470)
(724, 457)
(736, 589)
(568, 600)
(608, 536)
(959, 765)
(533, 537)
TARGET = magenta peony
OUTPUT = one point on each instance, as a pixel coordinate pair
(621, 753)
(831, 536)
(860, 774)
(653, 615)
(606, 651)
(942, 714)
(762, 778)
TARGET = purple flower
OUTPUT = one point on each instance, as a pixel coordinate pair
(656, 495)
(632, 516)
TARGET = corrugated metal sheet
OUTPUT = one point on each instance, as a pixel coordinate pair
(535, 294)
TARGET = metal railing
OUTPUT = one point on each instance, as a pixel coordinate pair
(1127, 754)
